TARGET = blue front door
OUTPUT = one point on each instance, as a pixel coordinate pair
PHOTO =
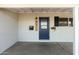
(44, 28)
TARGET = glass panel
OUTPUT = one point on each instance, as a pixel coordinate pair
(70, 22)
(56, 21)
(63, 22)
(44, 24)
(43, 27)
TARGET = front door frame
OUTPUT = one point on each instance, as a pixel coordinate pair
(46, 35)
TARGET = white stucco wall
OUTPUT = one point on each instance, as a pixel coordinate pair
(62, 34)
(8, 29)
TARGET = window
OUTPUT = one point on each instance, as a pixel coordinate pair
(56, 21)
(70, 21)
(63, 21)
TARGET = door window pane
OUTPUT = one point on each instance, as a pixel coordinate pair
(44, 24)
(43, 27)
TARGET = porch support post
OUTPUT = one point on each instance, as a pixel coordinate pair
(76, 27)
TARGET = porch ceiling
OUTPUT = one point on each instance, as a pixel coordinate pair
(39, 10)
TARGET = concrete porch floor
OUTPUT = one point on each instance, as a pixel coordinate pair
(38, 48)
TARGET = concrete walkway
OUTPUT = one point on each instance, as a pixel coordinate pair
(38, 48)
